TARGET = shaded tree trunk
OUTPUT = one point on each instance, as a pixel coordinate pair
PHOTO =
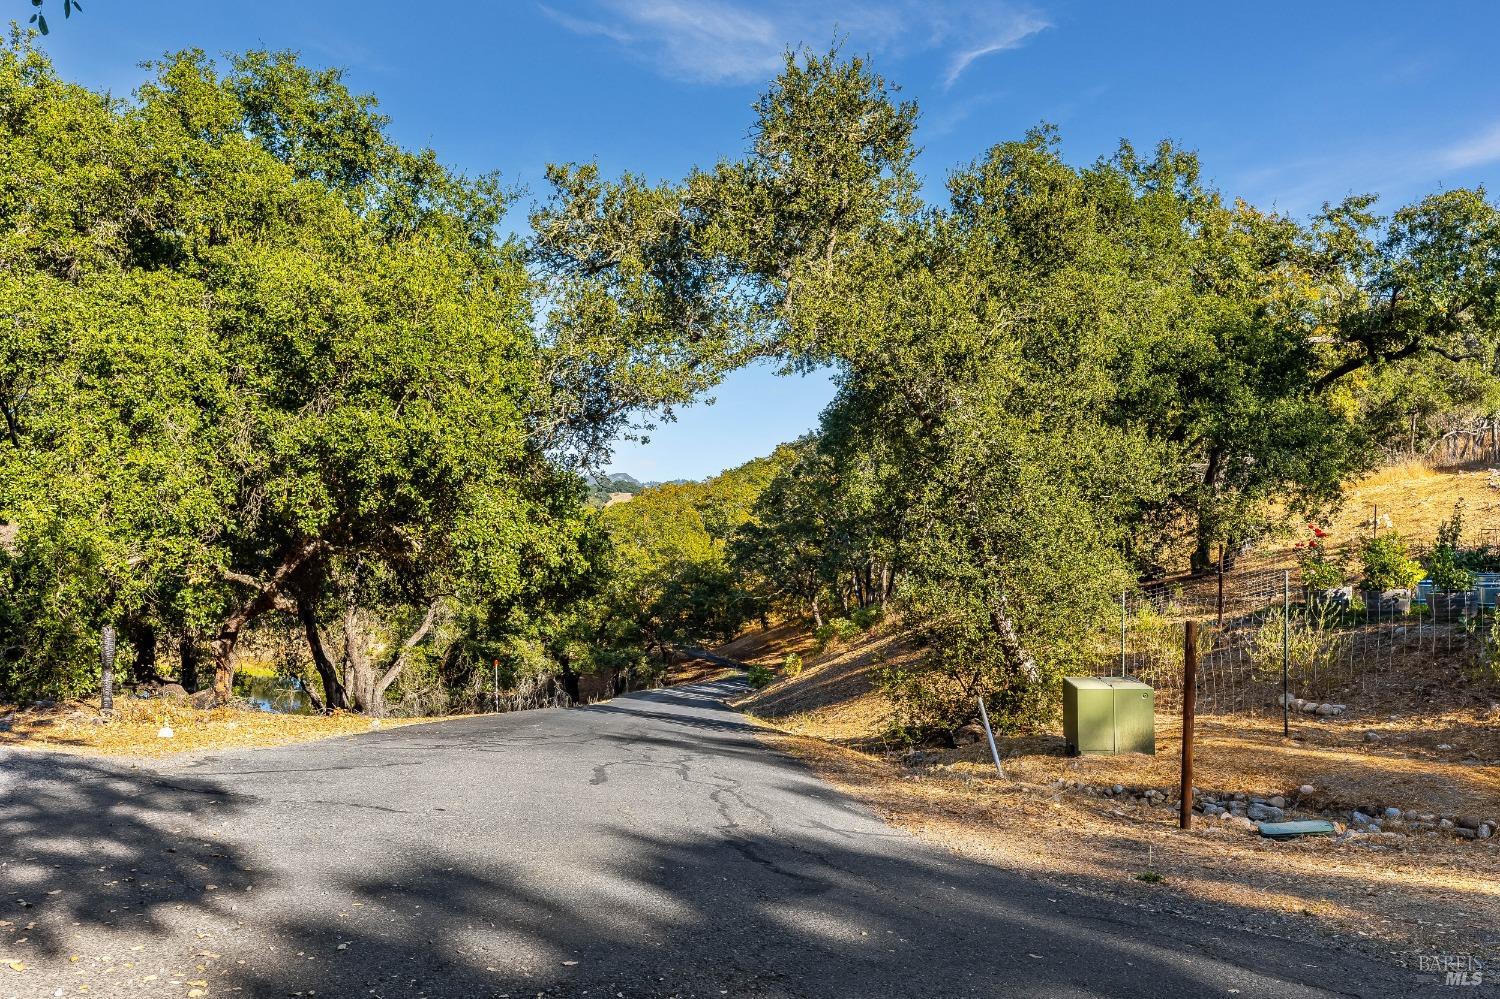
(570, 679)
(334, 694)
(142, 637)
(191, 658)
(366, 682)
(264, 596)
(1203, 555)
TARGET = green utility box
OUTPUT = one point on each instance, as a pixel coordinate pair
(1106, 714)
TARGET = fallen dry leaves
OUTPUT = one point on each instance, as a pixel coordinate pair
(132, 728)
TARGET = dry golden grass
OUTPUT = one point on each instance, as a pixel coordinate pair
(769, 646)
(696, 671)
(835, 697)
(132, 729)
(1417, 499)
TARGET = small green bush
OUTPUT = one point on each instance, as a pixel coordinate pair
(1388, 565)
(866, 618)
(837, 631)
(792, 664)
(1449, 575)
(758, 675)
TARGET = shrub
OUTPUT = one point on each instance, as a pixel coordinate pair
(1313, 649)
(1320, 571)
(1449, 575)
(792, 664)
(1487, 668)
(1388, 566)
(866, 618)
(1157, 643)
(758, 674)
(837, 631)
(1482, 559)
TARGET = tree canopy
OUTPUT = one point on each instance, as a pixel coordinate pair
(261, 359)
(1055, 380)
(263, 364)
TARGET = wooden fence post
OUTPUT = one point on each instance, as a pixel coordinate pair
(1189, 699)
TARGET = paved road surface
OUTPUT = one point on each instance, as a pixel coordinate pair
(646, 847)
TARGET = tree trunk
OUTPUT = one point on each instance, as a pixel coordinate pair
(399, 662)
(142, 637)
(262, 599)
(334, 694)
(366, 683)
(570, 680)
(817, 615)
(189, 655)
(359, 677)
(223, 652)
(1016, 656)
(1203, 556)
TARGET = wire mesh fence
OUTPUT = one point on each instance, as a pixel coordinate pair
(1264, 635)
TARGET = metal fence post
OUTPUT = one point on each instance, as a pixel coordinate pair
(1286, 651)
(1189, 697)
(994, 751)
(107, 669)
(495, 664)
(1123, 618)
(1221, 586)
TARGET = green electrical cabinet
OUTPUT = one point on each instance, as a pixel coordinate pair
(1106, 714)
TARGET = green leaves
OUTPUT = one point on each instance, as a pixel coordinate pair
(234, 343)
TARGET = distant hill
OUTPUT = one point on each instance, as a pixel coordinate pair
(619, 487)
(623, 482)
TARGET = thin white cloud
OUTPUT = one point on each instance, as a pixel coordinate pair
(584, 26)
(705, 40)
(1477, 150)
(1011, 36)
(742, 41)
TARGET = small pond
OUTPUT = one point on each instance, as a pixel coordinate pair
(280, 694)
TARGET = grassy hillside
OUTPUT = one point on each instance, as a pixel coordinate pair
(1417, 499)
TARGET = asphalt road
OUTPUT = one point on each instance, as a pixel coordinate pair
(649, 846)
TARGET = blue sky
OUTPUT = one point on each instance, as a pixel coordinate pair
(1288, 104)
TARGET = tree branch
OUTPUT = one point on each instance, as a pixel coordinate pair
(412, 641)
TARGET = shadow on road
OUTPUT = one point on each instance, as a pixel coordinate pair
(91, 845)
(678, 919)
(749, 878)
